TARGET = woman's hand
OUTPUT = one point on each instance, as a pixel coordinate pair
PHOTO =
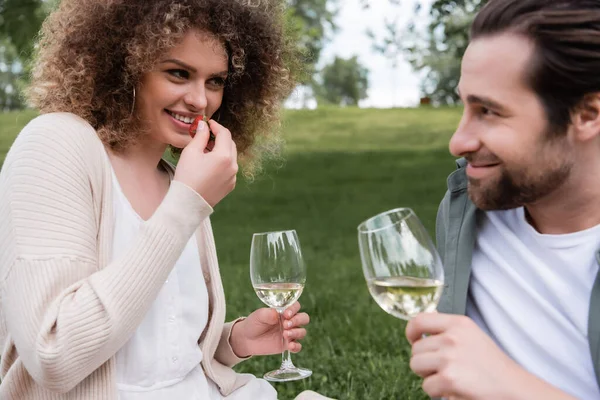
(210, 173)
(260, 332)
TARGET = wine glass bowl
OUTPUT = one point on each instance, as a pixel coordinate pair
(278, 276)
(401, 265)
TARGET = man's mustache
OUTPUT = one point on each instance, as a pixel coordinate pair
(482, 158)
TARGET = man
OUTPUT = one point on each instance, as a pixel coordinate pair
(519, 228)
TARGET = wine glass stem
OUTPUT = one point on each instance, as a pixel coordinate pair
(286, 360)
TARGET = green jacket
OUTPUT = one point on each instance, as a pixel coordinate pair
(455, 236)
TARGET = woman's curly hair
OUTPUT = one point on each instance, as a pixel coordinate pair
(92, 53)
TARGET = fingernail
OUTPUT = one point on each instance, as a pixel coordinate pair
(201, 125)
(288, 324)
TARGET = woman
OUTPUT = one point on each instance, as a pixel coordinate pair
(109, 278)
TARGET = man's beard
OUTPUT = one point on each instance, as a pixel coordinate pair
(512, 190)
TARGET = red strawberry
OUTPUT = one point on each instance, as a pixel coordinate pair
(194, 126)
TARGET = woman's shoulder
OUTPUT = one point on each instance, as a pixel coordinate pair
(56, 138)
(58, 134)
(60, 126)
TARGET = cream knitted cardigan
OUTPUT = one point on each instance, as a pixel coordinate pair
(64, 309)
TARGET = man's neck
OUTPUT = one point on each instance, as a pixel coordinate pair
(573, 207)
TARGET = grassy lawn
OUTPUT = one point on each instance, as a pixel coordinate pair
(341, 166)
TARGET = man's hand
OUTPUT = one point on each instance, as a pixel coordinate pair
(458, 360)
(260, 332)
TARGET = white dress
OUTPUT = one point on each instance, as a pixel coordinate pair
(161, 361)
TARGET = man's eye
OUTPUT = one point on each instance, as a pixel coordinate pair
(179, 73)
(486, 111)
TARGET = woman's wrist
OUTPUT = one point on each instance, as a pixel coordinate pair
(237, 340)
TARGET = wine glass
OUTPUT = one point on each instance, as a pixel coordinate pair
(278, 276)
(401, 265)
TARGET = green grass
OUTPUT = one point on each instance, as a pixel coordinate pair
(10, 125)
(341, 166)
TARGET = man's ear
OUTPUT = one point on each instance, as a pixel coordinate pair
(586, 118)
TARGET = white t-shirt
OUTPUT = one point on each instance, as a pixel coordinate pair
(530, 292)
(161, 361)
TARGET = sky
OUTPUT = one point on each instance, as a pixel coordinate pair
(387, 88)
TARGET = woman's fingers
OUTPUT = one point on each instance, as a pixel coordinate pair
(294, 347)
(292, 310)
(298, 320)
(295, 334)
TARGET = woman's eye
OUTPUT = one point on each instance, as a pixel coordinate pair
(179, 73)
(217, 82)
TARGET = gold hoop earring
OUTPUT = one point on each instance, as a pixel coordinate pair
(132, 103)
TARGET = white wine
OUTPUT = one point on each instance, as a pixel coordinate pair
(404, 297)
(279, 295)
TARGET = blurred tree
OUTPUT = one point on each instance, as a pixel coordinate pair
(343, 82)
(390, 45)
(9, 77)
(367, 3)
(311, 20)
(20, 21)
(438, 50)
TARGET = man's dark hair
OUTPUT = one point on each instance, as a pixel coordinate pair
(566, 33)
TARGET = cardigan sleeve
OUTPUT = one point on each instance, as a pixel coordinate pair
(225, 354)
(67, 314)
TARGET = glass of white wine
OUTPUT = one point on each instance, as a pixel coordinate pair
(278, 276)
(401, 265)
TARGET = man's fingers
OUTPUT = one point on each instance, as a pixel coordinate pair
(438, 385)
(430, 324)
(428, 344)
(425, 364)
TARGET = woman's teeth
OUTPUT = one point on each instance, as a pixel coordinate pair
(181, 118)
